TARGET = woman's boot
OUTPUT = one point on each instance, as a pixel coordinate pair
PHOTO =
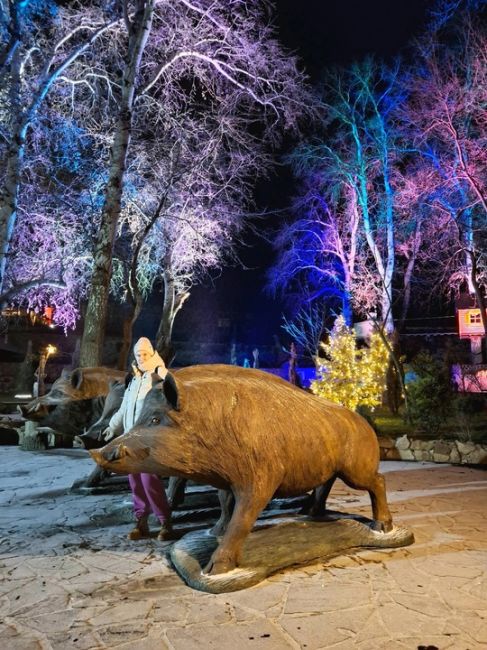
(141, 529)
(166, 531)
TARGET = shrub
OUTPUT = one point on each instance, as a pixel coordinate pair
(430, 395)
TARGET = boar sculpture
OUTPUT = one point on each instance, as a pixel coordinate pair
(76, 399)
(250, 432)
(92, 437)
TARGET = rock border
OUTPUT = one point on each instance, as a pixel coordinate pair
(455, 452)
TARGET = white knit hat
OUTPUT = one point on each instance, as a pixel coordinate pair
(143, 345)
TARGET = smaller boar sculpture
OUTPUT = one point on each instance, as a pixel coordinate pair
(255, 434)
(92, 437)
(74, 401)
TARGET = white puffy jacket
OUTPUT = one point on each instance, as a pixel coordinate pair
(126, 416)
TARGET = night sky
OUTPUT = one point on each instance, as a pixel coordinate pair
(321, 33)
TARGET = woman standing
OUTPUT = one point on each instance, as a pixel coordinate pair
(148, 492)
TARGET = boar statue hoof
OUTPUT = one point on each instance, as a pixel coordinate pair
(381, 526)
(217, 567)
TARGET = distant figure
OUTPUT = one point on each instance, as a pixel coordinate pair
(255, 354)
(233, 355)
(246, 363)
(293, 358)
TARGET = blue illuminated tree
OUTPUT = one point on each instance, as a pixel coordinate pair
(343, 240)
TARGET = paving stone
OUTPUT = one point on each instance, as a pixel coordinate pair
(51, 622)
(473, 625)
(19, 641)
(307, 598)
(323, 630)
(75, 640)
(258, 599)
(399, 620)
(258, 635)
(32, 595)
(144, 644)
(170, 612)
(134, 611)
(51, 604)
(458, 600)
(422, 604)
(114, 635)
(207, 609)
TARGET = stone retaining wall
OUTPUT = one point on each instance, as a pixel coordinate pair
(436, 451)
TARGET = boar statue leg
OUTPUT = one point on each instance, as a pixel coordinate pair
(248, 506)
(227, 504)
(376, 487)
(94, 479)
(319, 496)
(175, 491)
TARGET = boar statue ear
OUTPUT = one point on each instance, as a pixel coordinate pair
(171, 391)
(77, 378)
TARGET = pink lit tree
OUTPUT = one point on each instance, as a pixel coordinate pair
(448, 128)
(183, 209)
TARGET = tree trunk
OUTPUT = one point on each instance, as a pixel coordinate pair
(13, 164)
(127, 328)
(96, 311)
(408, 274)
(171, 306)
(479, 296)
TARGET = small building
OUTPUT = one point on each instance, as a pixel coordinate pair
(469, 317)
(470, 324)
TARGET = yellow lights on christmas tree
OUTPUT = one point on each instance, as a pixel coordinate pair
(350, 376)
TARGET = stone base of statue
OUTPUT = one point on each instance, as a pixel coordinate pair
(30, 438)
(271, 549)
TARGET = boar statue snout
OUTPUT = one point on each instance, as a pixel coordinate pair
(109, 457)
(106, 456)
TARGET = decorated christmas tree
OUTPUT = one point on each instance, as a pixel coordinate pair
(348, 375)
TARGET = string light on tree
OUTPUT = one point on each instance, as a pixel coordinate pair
(350, 376)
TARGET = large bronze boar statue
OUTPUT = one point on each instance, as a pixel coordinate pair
(252, 433)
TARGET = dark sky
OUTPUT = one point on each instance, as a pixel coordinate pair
(321, 33)
(324, 32)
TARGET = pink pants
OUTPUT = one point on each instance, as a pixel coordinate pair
(148, 495)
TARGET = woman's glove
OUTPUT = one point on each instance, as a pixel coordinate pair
(108, 434)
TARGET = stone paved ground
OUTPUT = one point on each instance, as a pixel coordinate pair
(70, 580)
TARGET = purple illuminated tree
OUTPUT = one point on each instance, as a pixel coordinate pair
(169, 53)
(40, 42)
(50, 255)
(183, 207)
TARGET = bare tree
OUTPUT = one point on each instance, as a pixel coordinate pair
(170, 51)
(448, 126)
(36, 52)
